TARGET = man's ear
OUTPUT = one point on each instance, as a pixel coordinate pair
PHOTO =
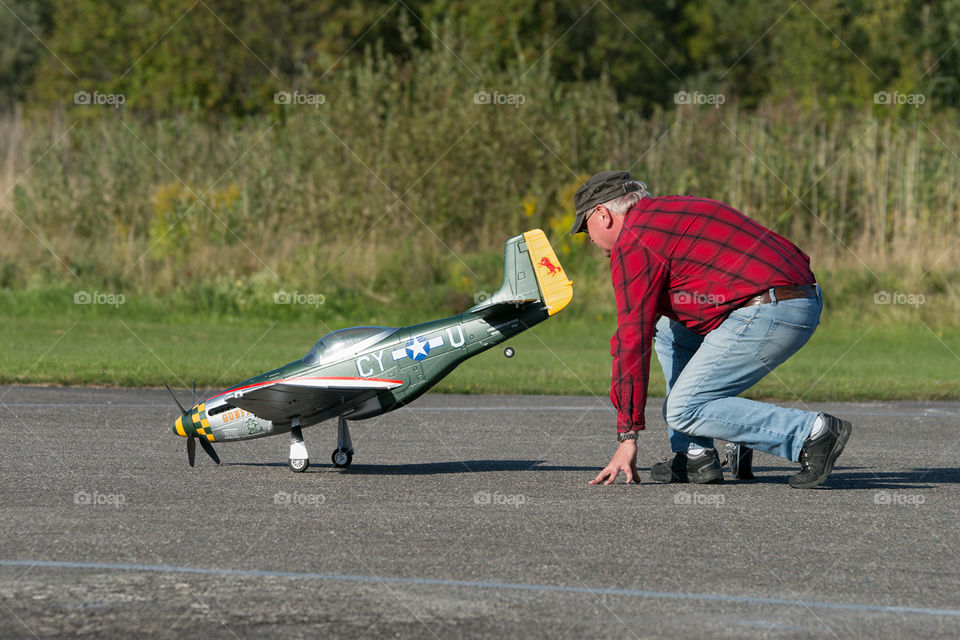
(607, 216)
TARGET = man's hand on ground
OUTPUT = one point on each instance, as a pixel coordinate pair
(625, 459)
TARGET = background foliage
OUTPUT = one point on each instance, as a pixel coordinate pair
(395, 187)
(227, 57)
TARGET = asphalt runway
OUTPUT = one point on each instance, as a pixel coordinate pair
(463, 516)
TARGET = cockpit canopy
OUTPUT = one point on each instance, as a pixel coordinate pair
(345, 341)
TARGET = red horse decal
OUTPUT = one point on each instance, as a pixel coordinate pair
(551, 268)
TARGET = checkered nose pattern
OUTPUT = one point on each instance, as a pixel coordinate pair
(194, 423)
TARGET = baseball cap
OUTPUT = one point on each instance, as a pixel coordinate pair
(600, 188)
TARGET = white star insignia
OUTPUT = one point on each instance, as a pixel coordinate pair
(418, 347)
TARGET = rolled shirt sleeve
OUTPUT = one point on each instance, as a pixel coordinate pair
(638, 275)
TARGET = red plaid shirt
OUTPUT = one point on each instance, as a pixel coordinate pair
(694, 260)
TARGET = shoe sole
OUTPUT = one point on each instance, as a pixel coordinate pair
(714, 476)
(666, 478)
(844, 435)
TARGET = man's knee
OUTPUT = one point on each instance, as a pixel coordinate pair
(679, 413)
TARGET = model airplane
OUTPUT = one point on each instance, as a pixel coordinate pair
(362, 372)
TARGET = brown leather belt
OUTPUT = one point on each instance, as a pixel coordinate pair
(783, 293)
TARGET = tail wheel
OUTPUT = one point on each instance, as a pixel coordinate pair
(342, 458)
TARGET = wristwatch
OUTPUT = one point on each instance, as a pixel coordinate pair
(627, 435)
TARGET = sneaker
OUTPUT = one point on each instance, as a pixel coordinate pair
(818, 455)
(701, 469)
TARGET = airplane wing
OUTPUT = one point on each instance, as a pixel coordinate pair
(281, 400)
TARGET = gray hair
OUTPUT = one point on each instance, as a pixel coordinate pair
(620, 205)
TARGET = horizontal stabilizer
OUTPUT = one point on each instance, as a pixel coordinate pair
(492, 308)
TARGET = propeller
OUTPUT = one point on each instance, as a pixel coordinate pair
(191, 444)
(208, 448)
(182, 410)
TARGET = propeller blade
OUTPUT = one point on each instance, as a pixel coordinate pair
(209, 449)
(182, 410)
(191, 451)
(193, 395)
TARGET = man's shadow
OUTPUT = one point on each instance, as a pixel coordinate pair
(864, 478)
(841, 478)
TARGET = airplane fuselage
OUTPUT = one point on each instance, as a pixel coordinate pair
(417, 357)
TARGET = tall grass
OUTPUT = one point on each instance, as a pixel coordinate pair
(400, 189)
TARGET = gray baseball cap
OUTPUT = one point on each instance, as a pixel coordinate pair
(600, 188)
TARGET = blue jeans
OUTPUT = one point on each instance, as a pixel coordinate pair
(705, 374)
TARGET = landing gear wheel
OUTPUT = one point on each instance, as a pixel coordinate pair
(299, 465)
(342, 458)
(509, 352)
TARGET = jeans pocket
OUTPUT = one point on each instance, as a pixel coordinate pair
(785, 337)
(794, 325)
(798, 314)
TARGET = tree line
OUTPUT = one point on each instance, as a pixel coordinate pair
(228, 58)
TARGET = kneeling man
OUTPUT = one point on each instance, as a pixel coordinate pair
(725, 301)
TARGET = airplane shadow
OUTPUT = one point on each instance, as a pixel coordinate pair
(430, 468)
(854, 478)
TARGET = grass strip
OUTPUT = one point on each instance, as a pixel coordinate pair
(843, 361)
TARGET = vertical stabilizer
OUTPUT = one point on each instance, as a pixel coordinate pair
(531, 272)
(556, 290)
